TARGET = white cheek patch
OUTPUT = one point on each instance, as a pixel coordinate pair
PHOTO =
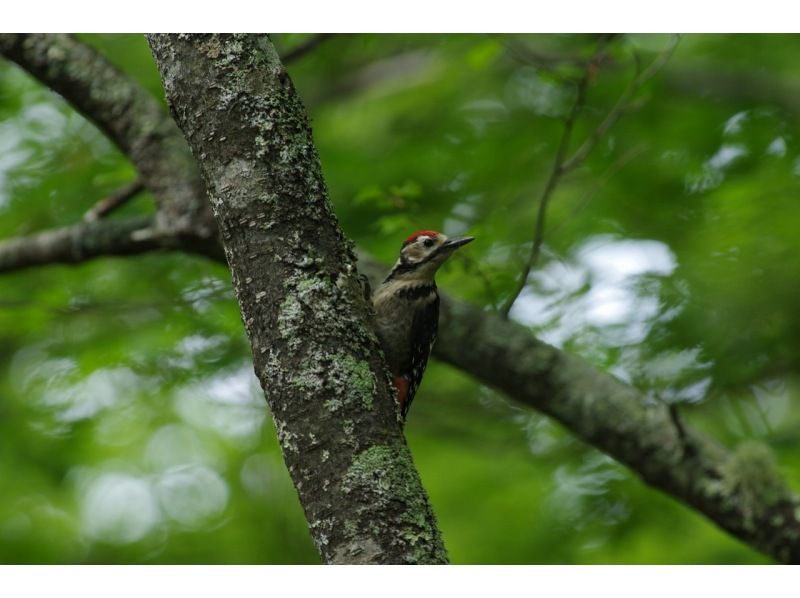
(418, 252)
(415, 252)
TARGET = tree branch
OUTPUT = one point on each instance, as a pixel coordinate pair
(304, 48)
(556, 172)
(78, 243)
(114, 201)
(130, 116)
(741, 491)
(89, 240)
(563, 165)
(319, 363)
(740, 88)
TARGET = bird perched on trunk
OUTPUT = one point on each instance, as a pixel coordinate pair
(407, 309)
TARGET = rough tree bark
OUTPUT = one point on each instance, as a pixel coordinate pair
(740, 490)
(295, 278)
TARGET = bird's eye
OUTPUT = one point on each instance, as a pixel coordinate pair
(428, 242)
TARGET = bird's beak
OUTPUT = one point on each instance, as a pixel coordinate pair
(451, 244)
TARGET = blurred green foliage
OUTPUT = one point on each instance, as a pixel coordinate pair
(131, 427)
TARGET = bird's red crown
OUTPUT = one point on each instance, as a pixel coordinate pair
(420, 233)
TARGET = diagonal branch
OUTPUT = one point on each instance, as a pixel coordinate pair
(622, 105)
(556, 172)
(740, 491)
(305, 47)
(114, 201)
(132, 118)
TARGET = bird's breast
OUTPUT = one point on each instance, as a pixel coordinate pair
(396, 303)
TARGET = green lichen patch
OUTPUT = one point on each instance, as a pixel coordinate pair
(333, 405)
(752, 474)
(385, 477)
(290, 318)
(357, 378)
(346, 380)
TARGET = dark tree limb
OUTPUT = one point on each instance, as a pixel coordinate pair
(304, 48)
(88, 240)
(132, 118)
(114, 201)
(741, 491)
(76, 244)
(295, 278)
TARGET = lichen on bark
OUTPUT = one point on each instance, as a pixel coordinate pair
(388, 472)
(295, 277)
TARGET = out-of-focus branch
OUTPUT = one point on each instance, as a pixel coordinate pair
(745, 87)
(553, 64)
(134, 120)
(88, 240)
(304, 48)
(563, 165)
(400, 69)
(713, 78)
(116, 200)
(77, 243)
(556, 172)
(622, 105)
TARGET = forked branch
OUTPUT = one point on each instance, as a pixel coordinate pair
(563, 165)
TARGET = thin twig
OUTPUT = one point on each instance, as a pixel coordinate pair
(476, 266)
(604, 178)
(621, 106)
(687, 447)
(552, 63)
(304, 48)
(552, 181)
(563, 165)
(117, 199)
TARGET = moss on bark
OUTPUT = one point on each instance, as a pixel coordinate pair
(295, 278)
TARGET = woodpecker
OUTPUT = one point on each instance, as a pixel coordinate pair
(407, 309)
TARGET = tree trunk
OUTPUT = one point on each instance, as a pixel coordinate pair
(740, 490)
(295, 278)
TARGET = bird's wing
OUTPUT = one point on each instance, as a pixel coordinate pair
(423, 334)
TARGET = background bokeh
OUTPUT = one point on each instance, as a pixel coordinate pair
(132, 429)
